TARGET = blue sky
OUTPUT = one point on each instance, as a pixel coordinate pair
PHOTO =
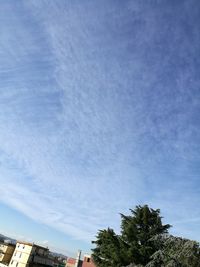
(100, 105)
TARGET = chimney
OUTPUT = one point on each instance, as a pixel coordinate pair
(78, 258)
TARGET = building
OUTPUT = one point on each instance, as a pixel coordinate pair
(6, 252)
(59, 262)
(30, 255)
(87, 261)
(71, 262)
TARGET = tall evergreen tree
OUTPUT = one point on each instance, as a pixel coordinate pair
(109, 250)
(134, 244)
(137, 231)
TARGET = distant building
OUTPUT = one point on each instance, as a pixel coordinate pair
(71, 262)
(30, 255)
(88, 262)
(6, 252)
(59, 262)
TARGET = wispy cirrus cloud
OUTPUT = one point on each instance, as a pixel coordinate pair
(99, 105)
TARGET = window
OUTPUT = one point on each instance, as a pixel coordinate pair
(88, 259)
(15, 253)
(20, 255)
(17, 264)
(11, 262)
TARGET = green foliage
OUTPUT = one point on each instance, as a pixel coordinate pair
(137, 231)
(144, 242)
(134, 244)
(110, 249)
(175, 252)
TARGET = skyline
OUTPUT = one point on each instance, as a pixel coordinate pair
(99, 113)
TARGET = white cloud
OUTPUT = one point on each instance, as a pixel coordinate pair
(86, 122)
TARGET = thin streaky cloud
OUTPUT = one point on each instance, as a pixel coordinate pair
(99, 111)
